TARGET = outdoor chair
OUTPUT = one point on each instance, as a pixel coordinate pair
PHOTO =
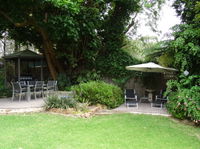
(38, 89)
(22, 83)
(161, 97)
(18, 90)
(130, 98)
(157, 103)
(50, 87)
(32, 85)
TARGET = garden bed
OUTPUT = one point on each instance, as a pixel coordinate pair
(71, 112)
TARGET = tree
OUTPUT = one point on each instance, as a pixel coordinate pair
(73, 35)
(141, 48)
(186, 45)
(32, 21)
(184, 101)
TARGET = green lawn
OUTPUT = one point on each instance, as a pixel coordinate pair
(122, 131)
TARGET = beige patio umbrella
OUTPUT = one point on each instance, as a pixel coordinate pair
(150, 67)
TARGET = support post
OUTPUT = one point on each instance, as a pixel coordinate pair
(41, 69)
(5, 70)
(18, 68)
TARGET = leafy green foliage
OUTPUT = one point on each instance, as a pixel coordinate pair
(114, 64)
(88, 76)
(187, 9)
(186, 48)
(141, 48)
(63, 82)
(60, 102)
(184, 93)
(83, 33)
(184, 98)
(95, 92)
(4, 91)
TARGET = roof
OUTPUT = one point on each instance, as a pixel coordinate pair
(25, 54)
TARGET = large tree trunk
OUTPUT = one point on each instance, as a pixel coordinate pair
(53, 64)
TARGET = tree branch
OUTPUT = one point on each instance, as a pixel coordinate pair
(131, 24)
(22, 24)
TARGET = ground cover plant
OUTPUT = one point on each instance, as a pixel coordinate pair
(123, 131)
(65, 105)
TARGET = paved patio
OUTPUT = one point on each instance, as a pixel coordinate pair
(143, 108)
(7, 106)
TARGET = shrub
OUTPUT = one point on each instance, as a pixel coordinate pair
(184, 103)
(63, 102)
(4, 91)
(63, 82)
(99, 92)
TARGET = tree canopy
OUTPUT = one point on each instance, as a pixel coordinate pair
(74, 35)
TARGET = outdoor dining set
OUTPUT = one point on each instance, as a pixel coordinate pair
(132, 100)
(34, 89)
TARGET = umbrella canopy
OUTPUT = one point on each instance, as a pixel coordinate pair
(150, 67)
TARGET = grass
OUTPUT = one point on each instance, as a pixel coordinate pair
(122, 131)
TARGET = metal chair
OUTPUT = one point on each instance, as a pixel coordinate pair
(130, 98)
(18, 90)
(23, 84)
(55, 85)
(157, 103)
(161, 97)
(51, 86)
(38, 89)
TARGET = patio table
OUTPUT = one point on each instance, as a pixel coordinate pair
(150, 94)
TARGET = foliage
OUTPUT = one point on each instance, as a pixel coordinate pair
(4, 91)
(60, 102)
(81, 33)
(98, 92)
(141, 47)
(114, 66)
(166, 59)
(187, 9)
(184, 98)
(186, 48)
(63, 82)
(89, 76)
